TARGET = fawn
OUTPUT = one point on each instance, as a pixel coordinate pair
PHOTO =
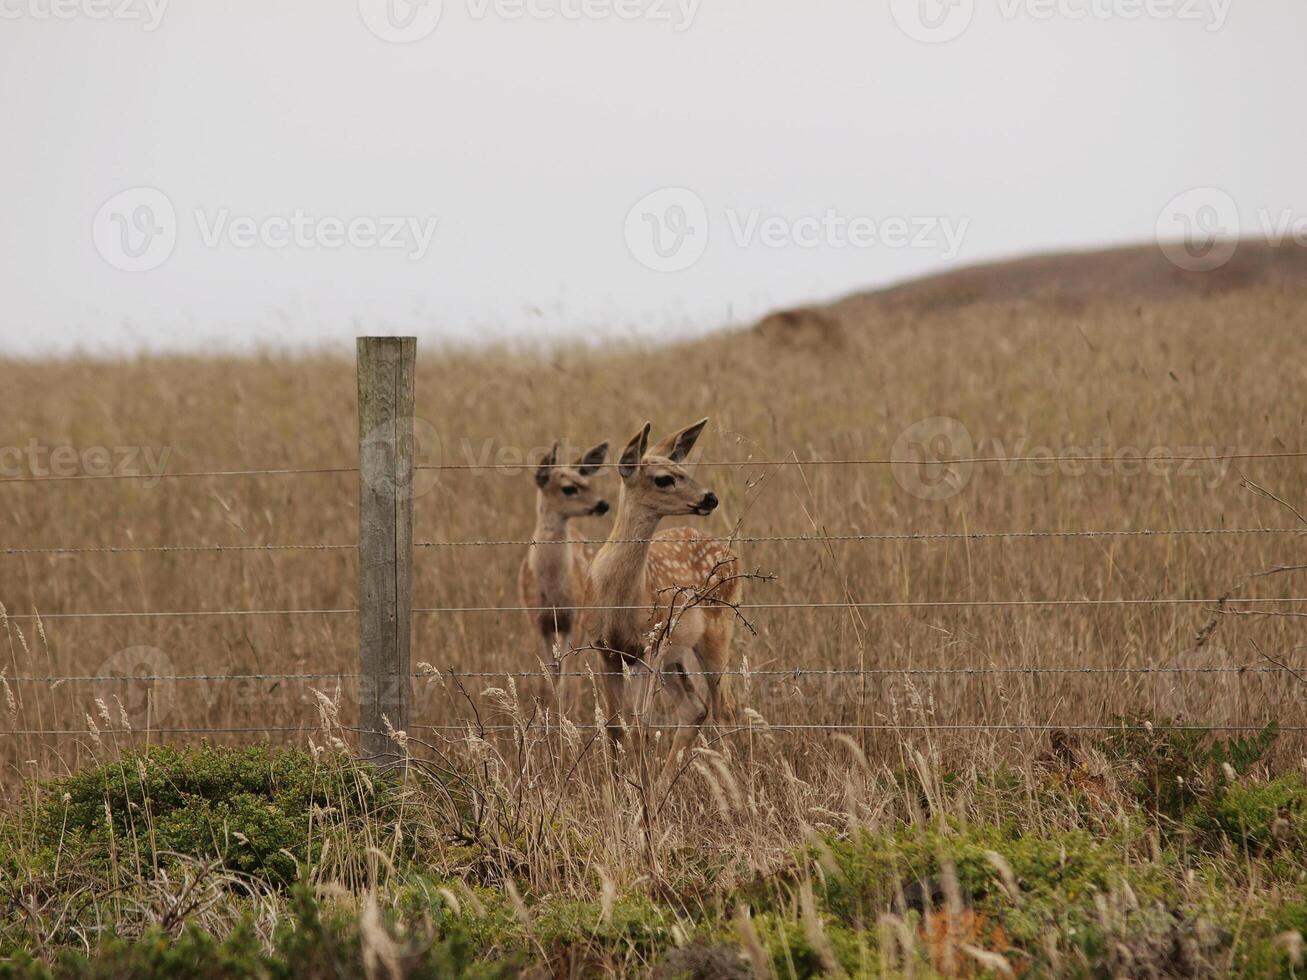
(553, 575)
(638, 613)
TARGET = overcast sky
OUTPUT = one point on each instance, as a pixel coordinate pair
(188, 174)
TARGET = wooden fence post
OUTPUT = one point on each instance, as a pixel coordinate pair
(385, 382)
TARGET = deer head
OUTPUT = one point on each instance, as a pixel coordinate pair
(566, 490)
(655, 480)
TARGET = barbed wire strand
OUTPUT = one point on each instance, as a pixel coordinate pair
(794, 674)
(169, 614)
(737, 463)
(791, 674)
(470, 728)
(904, 536)
(190, 474)
(736, 539)
(189, 548)
(886, 461)
(906, 604)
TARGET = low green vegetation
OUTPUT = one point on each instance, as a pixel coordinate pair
(1146, 854)
(257, 812)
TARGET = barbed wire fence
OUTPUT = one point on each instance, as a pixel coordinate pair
(384, 613)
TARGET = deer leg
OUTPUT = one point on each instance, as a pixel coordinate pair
(614, 693)
(682, 673)
(714, 649)
(722, 700)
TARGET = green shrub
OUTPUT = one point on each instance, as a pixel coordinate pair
(311, 945)
(1054, 869)
(1258, 815)
(1265, 953)
(253, 808)
(788, 945)
(194, 955)
(324, 945)
(635, 924)
(1174, 766)
(1165, 764)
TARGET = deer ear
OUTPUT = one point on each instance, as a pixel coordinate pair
(634, 452)
(546, 464)
(589, 463)
(678, 445)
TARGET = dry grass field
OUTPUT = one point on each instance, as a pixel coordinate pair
(1190, 378)
(934, 688)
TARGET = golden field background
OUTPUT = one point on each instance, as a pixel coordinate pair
(1196, 375)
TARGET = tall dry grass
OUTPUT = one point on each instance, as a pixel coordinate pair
(1196, 377)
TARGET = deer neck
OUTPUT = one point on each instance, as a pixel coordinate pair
(620, 565)
(550, 556)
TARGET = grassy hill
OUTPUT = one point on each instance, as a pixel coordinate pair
(952, 632)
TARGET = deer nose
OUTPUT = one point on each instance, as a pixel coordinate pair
(709, 501)
(601, 507)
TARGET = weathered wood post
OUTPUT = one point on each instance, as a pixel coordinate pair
(385, 381)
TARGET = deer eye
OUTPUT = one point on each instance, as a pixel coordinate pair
(569, 491)
(664, 481)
